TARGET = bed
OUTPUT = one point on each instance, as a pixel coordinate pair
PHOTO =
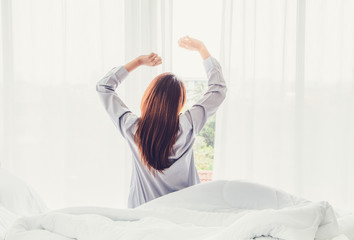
(209, 211)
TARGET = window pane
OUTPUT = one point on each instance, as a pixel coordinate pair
(199, 19)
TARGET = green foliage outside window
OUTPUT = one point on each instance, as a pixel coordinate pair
(204, 143)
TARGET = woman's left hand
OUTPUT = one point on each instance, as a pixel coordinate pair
(151, 60)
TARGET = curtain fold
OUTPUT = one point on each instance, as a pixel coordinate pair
(55, 133)
(287, 120)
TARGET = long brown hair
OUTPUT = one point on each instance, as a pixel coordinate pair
(158, 125)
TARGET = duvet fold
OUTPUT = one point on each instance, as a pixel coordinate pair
(307, 221)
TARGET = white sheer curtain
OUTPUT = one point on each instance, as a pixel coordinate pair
(288, 119)
(54, 132)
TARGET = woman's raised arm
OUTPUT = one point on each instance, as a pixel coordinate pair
(207, 105)
(148, 60)
(113, 104)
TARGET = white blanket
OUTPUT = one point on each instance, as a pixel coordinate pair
(220, 217)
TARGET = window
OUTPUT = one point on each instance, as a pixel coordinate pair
(206, 15)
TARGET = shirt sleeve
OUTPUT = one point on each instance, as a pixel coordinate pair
(207, 105)
(115, 107)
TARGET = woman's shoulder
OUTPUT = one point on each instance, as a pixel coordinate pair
(185, 138)
(131, 121)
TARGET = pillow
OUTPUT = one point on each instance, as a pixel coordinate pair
(19, 198)
(7, 218)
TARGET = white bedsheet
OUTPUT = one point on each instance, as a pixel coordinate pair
(230, 211)
(7, 218)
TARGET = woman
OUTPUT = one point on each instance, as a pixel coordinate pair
(162, 138)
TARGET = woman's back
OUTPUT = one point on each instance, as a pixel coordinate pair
(181, 172)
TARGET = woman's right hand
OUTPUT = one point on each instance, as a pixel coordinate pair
(190, 43)
(194, 45)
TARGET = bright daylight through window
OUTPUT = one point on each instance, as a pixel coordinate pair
(188, 66)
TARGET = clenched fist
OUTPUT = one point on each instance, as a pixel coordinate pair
(150, 60)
